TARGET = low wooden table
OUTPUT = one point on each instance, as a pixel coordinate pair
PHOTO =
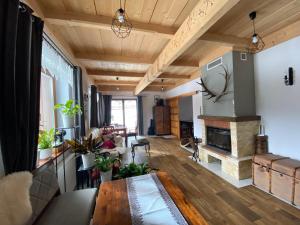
(112, 206)
(136, 143)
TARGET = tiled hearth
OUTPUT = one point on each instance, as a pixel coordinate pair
(236, 163)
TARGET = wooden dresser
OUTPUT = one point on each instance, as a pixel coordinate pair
(161, 116)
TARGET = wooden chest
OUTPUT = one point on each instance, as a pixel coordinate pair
(261, 170)
(297, 188)
(282, 178)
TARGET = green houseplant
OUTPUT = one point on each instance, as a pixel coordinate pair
(69, 110)
(45, 143)
(133, 169)
(85, 149)
(104, 164)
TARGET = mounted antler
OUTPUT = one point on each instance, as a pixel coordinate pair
(224, 91)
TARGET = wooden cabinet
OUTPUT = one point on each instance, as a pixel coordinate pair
(161, 116)
(173, 103)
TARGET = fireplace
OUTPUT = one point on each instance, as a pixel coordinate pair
(231, 141)
(219, 138)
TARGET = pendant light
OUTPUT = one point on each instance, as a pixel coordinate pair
(121, 25)
(162, 87)
(257, 44)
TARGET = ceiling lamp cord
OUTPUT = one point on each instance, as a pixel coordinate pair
(121, 25)
(257, 44)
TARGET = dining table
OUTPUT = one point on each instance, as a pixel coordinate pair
(143, 200)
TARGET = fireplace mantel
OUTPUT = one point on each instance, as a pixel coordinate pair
(230, 119)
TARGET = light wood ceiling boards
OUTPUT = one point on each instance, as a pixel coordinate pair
(83, 28)
(203, 16)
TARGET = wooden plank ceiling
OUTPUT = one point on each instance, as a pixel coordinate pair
(85, 27)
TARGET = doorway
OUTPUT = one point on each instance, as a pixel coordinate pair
(124, 113)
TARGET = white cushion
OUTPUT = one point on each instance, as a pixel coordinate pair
(15, 206)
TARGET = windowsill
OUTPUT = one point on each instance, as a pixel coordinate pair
(55, 154)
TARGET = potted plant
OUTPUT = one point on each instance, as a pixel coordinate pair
(133, 169)
(85, 149)
(46, 139)
(105, 165)
(69, 111)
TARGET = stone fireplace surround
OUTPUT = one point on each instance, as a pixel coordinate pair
(243, 130)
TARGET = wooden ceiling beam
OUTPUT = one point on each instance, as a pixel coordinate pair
(127, 88)
(128, 59)
(226, 40)
(104, 22)
(204, 15)
(130, 83)
(98, 72)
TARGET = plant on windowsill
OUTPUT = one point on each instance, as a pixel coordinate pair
(105, 166)
(133, 169)
(45, 143)
(69, 110)
(85, 149)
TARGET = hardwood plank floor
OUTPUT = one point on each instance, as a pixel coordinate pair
(218, 201)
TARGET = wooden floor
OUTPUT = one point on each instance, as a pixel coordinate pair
(218, 201)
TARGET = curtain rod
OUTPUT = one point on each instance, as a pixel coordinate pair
(50, 42)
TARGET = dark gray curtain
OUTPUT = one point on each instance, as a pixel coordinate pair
(93, 107)
(101, 110)
(20, 64)
(107, 109)
(77, 72)
(140, 115)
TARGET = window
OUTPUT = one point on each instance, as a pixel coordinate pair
(47, 119)
(124, 113)
(56, 85)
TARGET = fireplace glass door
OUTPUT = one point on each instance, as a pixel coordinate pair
(219, 138)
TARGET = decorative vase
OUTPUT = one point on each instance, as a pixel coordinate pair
(68, 121)
(45, 153)
(88, 160)
(106, 176)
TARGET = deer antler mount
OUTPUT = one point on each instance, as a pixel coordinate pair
(212, 95)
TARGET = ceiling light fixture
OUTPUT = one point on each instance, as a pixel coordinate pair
(257, 44)
(121, 25)
(162, 87)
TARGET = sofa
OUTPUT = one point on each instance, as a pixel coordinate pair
(97, 133)
(50, 207)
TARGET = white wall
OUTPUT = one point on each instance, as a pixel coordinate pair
(197, 101)
(279, 105)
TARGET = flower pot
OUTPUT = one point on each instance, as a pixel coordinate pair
(106, 176)
(68, 121)
(45, 153)
(88, 160)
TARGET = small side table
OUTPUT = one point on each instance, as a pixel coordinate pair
(137, 143)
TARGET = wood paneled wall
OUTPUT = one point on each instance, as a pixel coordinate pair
(173, 103)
